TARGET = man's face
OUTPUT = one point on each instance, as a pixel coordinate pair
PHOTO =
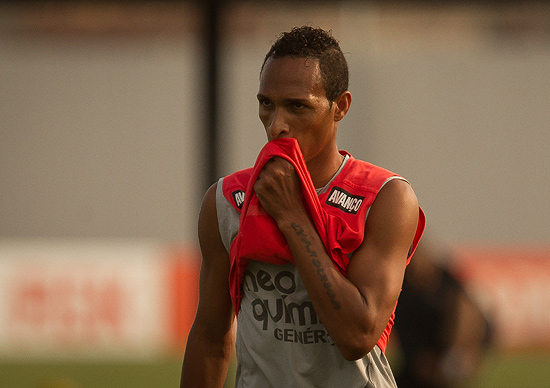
(293, 104)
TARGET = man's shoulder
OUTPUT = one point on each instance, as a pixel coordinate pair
(241, 174)
(234, 186)
(368, 166)
(238, 179)
(362, 173)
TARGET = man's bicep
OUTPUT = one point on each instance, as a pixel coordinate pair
(378, 265)
(215, 312)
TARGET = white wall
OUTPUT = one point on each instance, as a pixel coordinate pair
(439, 96)
(100, 138)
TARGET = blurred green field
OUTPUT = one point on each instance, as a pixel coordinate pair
(514, 370)
(502, 371)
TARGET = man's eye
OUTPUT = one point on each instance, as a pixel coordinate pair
(265, 103)
(297, 105)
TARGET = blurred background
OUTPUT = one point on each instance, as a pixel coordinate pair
(116, 116)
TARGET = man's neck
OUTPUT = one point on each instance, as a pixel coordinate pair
(323, 169)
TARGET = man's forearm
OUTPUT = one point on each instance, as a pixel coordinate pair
(314, 253)
(205, 364)
(338, 302)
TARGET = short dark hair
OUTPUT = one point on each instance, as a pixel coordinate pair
(309, 42)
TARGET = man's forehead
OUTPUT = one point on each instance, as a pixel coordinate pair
(291, 72)
(310, 63)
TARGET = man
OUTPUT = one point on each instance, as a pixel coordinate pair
(443, 333)
(320, 319)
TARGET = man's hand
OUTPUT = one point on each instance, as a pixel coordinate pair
(279, 190)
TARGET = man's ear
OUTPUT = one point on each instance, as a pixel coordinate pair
(342, 105)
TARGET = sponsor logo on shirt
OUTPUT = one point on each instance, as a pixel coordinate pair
(344, 201)
(238, 197)
(271, 304)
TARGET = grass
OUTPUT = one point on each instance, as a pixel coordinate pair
(514, 370)
(161, 373)
(502, 371)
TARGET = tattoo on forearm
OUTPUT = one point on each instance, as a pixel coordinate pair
(320, 270)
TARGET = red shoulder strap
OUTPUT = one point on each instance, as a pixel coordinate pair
(234, 186)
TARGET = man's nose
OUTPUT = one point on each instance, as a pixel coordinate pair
(278, 126)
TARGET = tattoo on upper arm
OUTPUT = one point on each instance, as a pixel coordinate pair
(320, 270)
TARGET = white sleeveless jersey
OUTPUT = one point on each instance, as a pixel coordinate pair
(280, 341)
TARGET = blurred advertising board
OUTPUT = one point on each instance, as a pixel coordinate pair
(86, 299)
(512, 285)
(134, 299)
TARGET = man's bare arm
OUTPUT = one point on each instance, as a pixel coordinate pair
(211, 339)
(354, 309)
